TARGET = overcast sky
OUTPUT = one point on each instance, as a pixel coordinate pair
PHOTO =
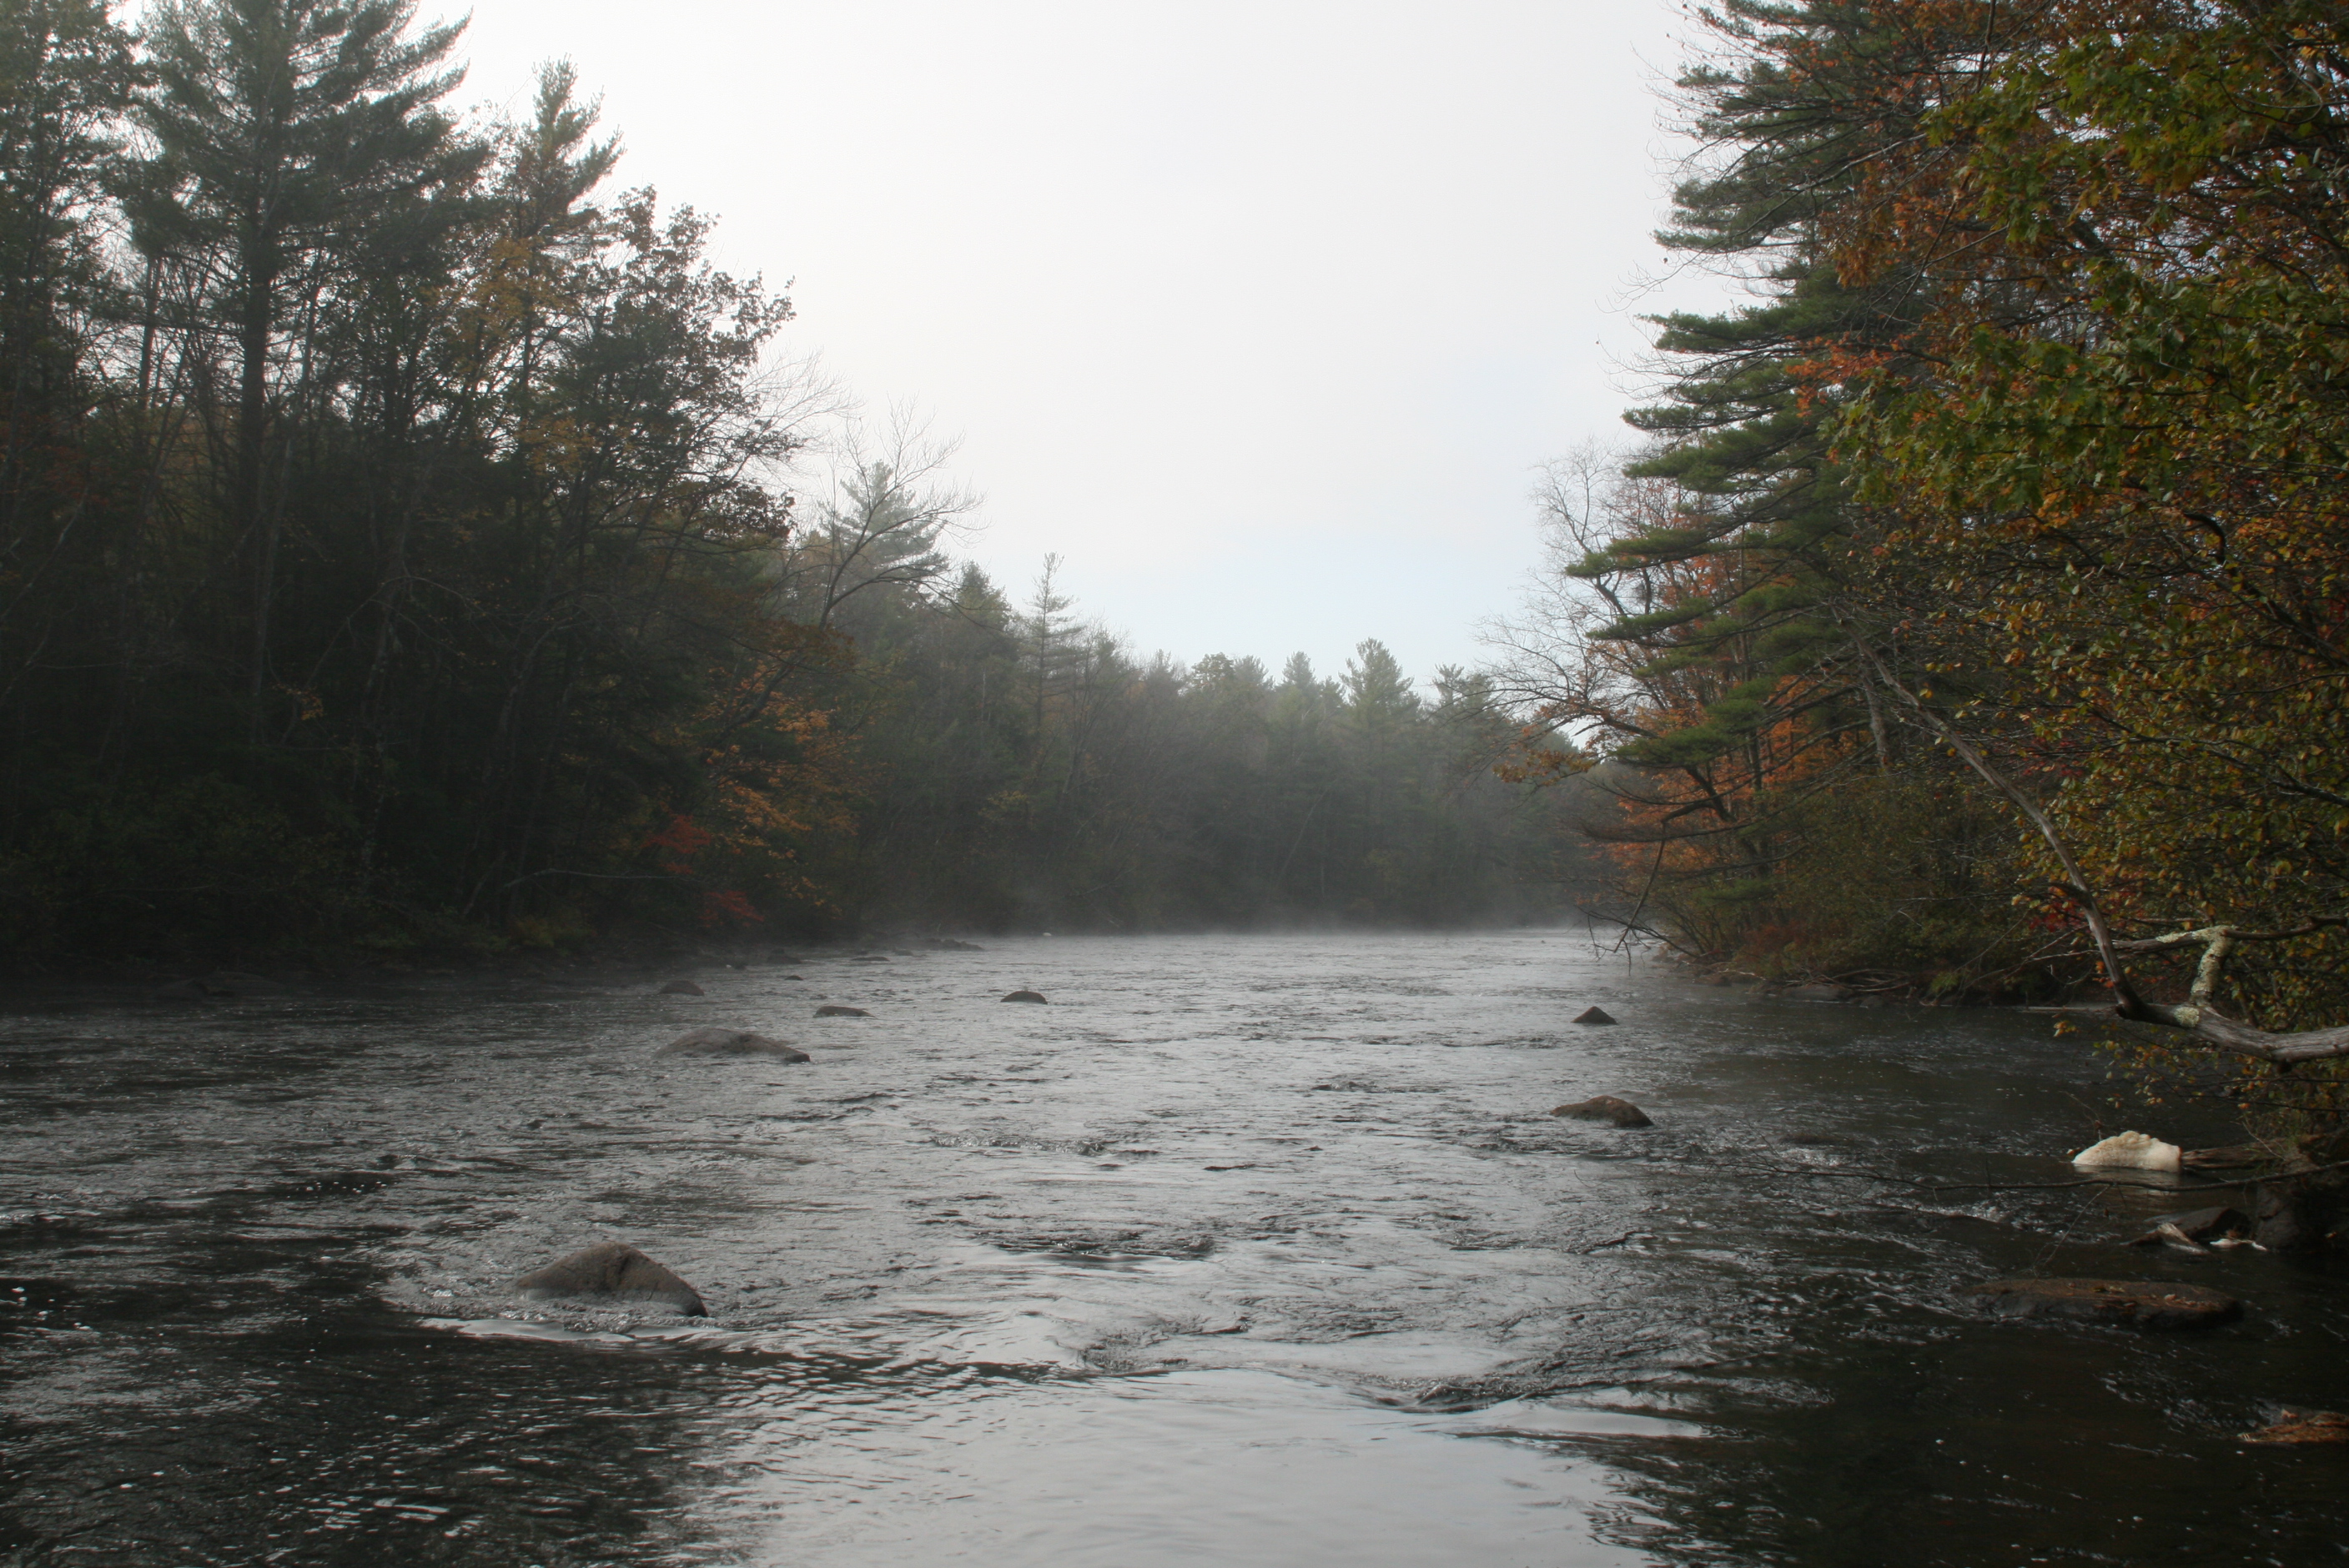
(1261, 315)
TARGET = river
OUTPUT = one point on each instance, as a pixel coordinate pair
(1241, 1250)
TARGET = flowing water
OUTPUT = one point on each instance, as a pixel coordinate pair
(1249, 1251)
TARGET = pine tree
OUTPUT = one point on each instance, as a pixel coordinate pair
(290, 134)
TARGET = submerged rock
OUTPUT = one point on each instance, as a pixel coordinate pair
(2129, 1151)
(1594, 1016)
(612, 1273)
(2303, 1427)
(834, 1010)
(1024, 996)
(2133, 1304)
(1608, 1109)
(2196, 1225)
(680, 988)
(716, 1042)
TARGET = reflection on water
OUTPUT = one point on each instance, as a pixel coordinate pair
(1254, 1251)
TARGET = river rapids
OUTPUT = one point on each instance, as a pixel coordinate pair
(1242, 1251)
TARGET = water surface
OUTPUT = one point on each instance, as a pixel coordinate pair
(1254, 1251)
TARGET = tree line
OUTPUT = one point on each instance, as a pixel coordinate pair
(400, 543)
(1976, 612)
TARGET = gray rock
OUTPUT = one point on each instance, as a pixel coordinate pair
(716, 1042)
(834, 1010)
(1594, 1016)
(1024, 996)
(611, 1273)
(1817, 994)
(2130, 1304)
(1608, 1109)
(680, 988)
(2303, 1212)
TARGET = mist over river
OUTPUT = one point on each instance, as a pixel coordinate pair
(1243, 1250)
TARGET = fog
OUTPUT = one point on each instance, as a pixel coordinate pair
(1261, 316)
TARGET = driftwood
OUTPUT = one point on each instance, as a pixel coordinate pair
(2197, 1015)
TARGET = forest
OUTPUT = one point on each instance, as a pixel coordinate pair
(410, 539)
(1973, 615)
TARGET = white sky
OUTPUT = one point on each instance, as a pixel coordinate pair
(1261, 315)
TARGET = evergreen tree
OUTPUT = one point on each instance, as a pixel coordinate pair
(291, 134)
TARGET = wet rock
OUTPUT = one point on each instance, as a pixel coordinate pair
(834, 1010)
(2301, 1214)
(611, 1273)
(716, 1042)
(680, 988)
(871, 958)
(2133, 1304)
(2196, 1225)
(2303, 1427)
(1817, 994)
(1024, 996)
(2129, 1151)
(1608, 1109)
(1593, 1015)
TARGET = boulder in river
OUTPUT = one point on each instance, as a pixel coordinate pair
(834, 1010)
(1594, 1016)
(2135, 1304)
(614, 1274)
(1608, 1109)
(2303, 1427)
(2308, 1213)
(1024, 996)
(2196, 1225)
(680, 988)
(714, 1042)
(2129, 1151)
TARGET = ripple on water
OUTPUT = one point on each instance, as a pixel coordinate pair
(1246, 1250)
